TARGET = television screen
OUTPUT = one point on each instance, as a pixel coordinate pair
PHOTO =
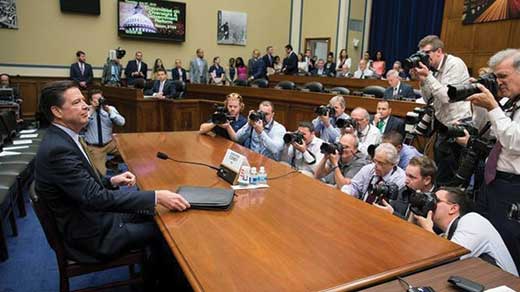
(80, 6)
(149, 19)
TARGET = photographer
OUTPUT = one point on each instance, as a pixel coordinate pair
(383, 170)
(262, 133)
(406, 152)
(325, 123)
(453, 215)
(442, 70)
(234, 120)
(367, 133)
(305, 153)
(98, 131)
(339, 168)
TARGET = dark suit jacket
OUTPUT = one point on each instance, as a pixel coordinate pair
(176, 76)
(168, 89)
(331, 69)
(394, 124)
(266, 61)
(75, 73)
(325, 72)
(258, 69)
(290, 64)
(88, 215)
(131, 67)
(405, 91)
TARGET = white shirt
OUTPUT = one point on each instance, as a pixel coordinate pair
(138, 66)
(507, 131)
(303, 66)
(435, 86)
(307, 161)
(366, 73)
(369, 136)
(359, 184)
(346, 64)
(476, 233)
(396, 89)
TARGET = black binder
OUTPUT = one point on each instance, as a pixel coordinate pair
(207, 198)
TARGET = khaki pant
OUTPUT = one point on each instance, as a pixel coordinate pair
(99, 155)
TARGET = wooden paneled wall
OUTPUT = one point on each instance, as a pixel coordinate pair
(476, 43)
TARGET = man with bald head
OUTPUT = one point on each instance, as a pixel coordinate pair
(199, 68)
(363, 72)
(367, 133)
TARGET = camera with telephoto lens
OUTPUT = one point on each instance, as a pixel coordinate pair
(258, 116)
(463, 91)
(424, 126)
(477, 149)
(331, 148)
(220, 116)
(291, 137)
(346, 123)
(101, 101)
(514, 212)
(385, 191)
(456, 131)
(422, 202)
(323, 110)
(414, 59)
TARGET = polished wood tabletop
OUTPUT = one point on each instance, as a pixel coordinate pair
(297, 235)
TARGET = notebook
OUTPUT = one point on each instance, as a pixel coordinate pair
(207, 198)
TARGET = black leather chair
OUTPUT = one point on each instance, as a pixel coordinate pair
(240, 82)
(313, 86)
(260, 83)
(286, 84)
(376, 90)
(6, 212)
(180, 88)
(418, 93)
(68, 268)
(340, 90)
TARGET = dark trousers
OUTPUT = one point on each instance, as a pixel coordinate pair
(493, 202)
(446, 155)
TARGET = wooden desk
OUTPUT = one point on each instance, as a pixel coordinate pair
(350, 83)
(298, 235)
(473, 269)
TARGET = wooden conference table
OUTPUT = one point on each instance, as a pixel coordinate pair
(297, 235)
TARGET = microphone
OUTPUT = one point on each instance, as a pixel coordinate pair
(164, 156)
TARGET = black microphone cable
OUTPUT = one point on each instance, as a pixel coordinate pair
(164, 156)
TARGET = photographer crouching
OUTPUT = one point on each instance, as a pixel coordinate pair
(302, 149)
(98, 131)
(226, 120)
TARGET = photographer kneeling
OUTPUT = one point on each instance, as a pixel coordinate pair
(339, 166)
(451, 212)
(325, 124)
(227, 120)
(302, 149)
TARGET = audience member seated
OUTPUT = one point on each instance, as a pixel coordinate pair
(232, 71)
(363, 72)
(81, 71)
(199, 68)
(157, 65)
(454, 216)
(325, 125)
(216, 73)
(420, 177)
(406, 152)
(366, 132)
(162, 87)
(330, 66)
(402, 73)
(290, 63)
(179, 73)
(339, 168)
(397, 89)
(112, 71)
(379, 64)
(303, 66)
(368, 61)
(98, 131)
(303, 155)
(384, 120)
(234, 120)
(262, 133)
(320, 70)
(5, 82)
(384, 169)
(241, 69)
(136, 69)
(258, 68)
(278, 65)
(344, 64)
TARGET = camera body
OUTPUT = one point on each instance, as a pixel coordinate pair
(346, 123)
(456, 131)
(461, 92)
(476, 150)
(331, 148)
(258, 116)
(101, 101)
(387, 191)
(220, 116)
(413, 61)
(291, 137)
(120, 53)
(423, 202)
(323, 110)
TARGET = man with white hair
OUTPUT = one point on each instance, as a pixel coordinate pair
(367, 133)
(397, 89)
(384, 169)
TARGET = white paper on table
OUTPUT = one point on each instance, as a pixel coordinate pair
(30, 131)
(8, 153)
(22, 142)
(27, 136)
(249, 187)
(500, 289)
(16, 147)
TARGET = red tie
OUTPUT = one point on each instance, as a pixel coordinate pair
(490, 171)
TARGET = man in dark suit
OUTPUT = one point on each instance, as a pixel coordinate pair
(81, 71)
(268, 57)
(384, 120)
(136, 69)
(257, 66)
(397, 89)
(290, 64)
(162, 87)
(179, 73)
(319, 69)
(96, 220)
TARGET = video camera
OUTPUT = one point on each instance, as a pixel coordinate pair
(422, 202)
(323, 110)
(385, 191)
(463, 91)
(346, 123)
(291, 137)
(220, 116)
(331, 148)
(258, 116)
(413, 61)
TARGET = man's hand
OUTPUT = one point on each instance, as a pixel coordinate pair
(258, 126)
(463, 141)
(421, 72)
(160, 95)
(300, 147)
(425, 223)
(171, 200)
(334, 159)
(106, 108)
(225, 125)
(387, 207)
(83, 84)
(325, 120)
(124, 179)
(483, 99)
(377, 118)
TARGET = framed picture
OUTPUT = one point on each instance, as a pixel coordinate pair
(8, 14)
(478, 11)
(231, 28)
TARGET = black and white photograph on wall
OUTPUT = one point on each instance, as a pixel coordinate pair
(232, 28)
(8, 14)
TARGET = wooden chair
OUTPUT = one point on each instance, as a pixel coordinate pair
(68, 268)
